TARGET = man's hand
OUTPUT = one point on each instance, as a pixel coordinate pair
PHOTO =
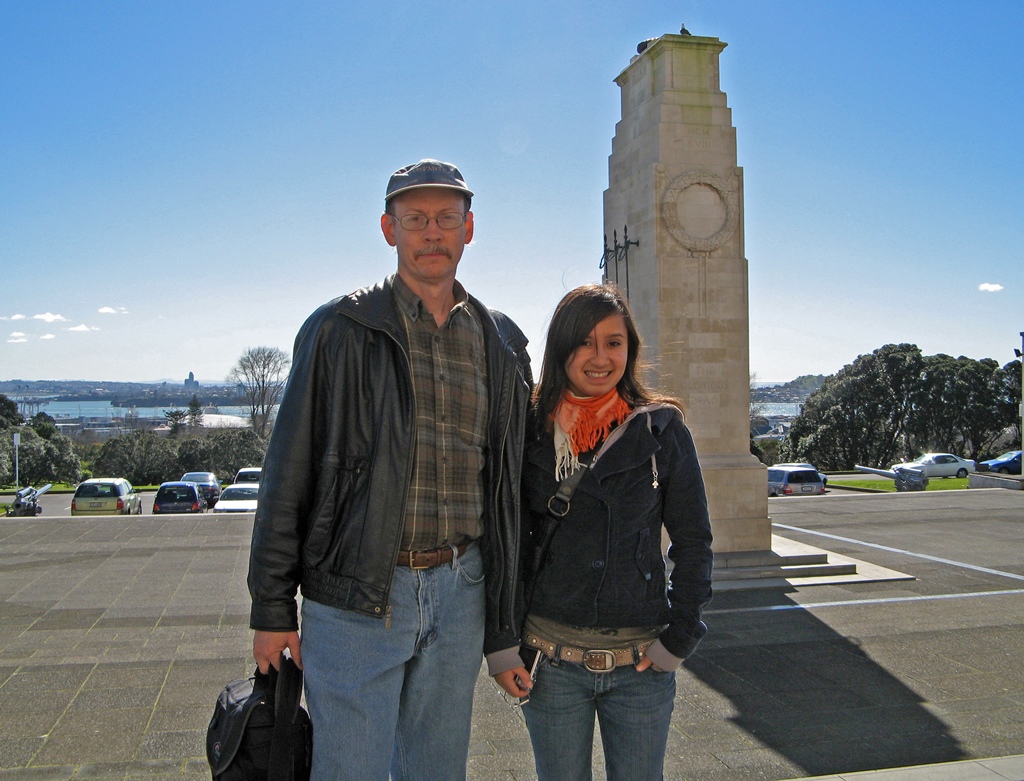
(515, 681)
(267, 648)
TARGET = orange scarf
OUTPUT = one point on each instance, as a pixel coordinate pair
(583, 423)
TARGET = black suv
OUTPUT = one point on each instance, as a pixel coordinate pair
(207, 482)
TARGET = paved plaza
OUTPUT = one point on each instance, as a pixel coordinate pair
(116, 635)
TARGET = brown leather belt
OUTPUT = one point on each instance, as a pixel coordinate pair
(425, 559)
(596, 660)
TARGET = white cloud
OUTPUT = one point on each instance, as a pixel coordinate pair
(47, 336)
(16, 334)
(109, 310)
(990, 287)
(49, 317)
(16, 341)
(13, 317)
(83, 327)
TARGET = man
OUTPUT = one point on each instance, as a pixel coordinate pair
(389, 495)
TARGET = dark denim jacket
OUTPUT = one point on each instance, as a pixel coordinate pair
(605, 567)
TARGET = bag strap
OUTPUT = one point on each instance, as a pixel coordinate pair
(287, 685)
(558, 506)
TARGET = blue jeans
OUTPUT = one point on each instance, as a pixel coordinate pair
(397, 699)
(634, 711)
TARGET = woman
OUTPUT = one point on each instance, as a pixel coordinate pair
(609, 632)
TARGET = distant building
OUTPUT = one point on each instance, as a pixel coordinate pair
(191, 383)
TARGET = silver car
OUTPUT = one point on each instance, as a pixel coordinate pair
(940, 465)
(794, 481)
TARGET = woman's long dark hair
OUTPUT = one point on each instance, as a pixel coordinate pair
(575, 318)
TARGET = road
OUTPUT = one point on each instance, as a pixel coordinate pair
(60, 504)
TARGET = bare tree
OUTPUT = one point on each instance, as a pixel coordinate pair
(260, 375)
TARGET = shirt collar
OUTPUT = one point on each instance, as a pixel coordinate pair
(412, 305)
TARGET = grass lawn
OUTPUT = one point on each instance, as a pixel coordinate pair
(934, 483)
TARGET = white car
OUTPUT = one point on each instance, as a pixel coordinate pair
(248, 474)
(940, 465)
(238, 498)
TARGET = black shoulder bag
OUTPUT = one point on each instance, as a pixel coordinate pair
(259, 731)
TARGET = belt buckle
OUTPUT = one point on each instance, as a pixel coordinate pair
(412, 560)
(599, 661)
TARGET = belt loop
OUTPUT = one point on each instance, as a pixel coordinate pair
(455, 556)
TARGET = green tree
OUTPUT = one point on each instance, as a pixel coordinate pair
(194, 455)
(260, 375)
(176, 420)
(957, 406)
(142, 458)
(861, 414)
(6, 463)
(767, 451)
(87, 451)
(40, 460)
(223, 452)
(233, 448)
(195, 413)
(9, 414)
(44, 425)
(1010, 400)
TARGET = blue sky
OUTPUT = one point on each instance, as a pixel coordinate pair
(182, 180)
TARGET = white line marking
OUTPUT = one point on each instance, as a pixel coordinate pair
(904, 552)
(879, 601)
(883, 600)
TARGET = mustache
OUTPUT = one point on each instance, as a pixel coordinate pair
(433, 249)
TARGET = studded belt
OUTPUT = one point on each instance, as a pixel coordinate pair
(596, 660)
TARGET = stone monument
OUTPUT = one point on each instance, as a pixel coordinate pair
(673, 216)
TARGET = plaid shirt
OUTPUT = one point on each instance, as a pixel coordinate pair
(449, 378)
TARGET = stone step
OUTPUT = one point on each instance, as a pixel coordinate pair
(815, 570)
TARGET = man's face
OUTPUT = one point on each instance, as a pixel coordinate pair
(429, 256)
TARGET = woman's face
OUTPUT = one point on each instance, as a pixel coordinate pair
(598, 364)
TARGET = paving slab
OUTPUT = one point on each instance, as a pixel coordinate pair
(116, 635)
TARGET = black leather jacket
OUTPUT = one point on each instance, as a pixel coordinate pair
(338, 467)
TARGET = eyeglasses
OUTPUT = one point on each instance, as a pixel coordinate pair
(417, 222)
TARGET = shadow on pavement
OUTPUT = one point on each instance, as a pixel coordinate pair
(813, 696)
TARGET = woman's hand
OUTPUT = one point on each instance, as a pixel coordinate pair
(645, 663)
(515, 682)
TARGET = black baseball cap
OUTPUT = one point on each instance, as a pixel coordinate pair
(426, 173)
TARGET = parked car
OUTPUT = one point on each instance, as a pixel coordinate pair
(940, 465)
(822, 475)
(207, 482)
(248, 474)
(1008, 463)
(106, 496)
(794, 481)
(179, 497)
(238, 498)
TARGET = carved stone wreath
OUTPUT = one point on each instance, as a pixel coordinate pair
(670, 207)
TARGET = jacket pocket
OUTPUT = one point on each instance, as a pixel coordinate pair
(643, 555)
(338, 484)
